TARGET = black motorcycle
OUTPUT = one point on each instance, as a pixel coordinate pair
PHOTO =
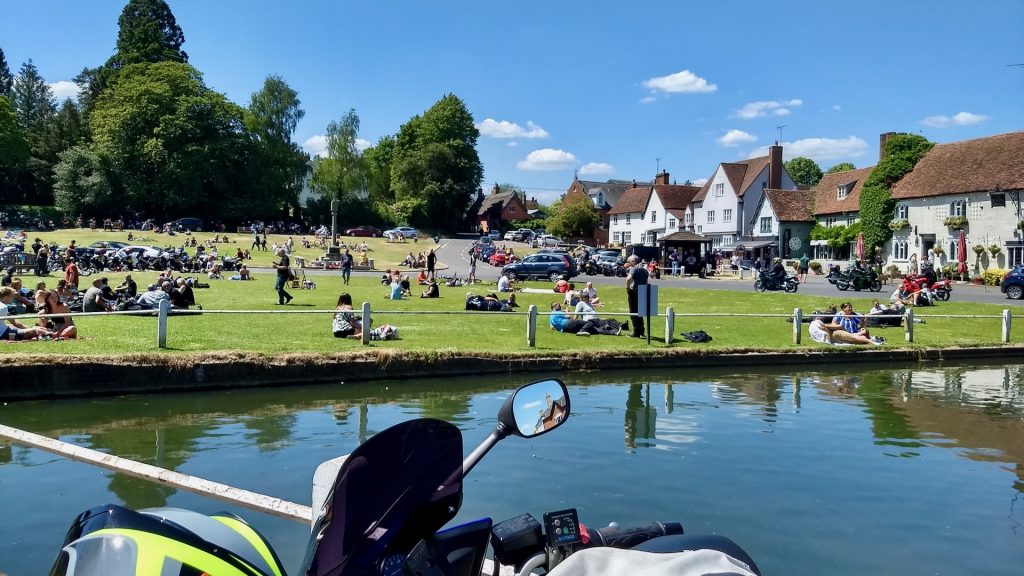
(858, 279)
(768, 281)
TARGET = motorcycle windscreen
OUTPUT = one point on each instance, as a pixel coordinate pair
(398, 487)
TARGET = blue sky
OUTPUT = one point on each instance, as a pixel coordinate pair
(605, 88)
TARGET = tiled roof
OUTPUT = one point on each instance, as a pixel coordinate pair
(980, 165)
(679, 213)
(740, 175)
(493, 200)
(792, 205)
(682, 236)
(826, 194)
(613, 190)
(675, 196)
(634, 200)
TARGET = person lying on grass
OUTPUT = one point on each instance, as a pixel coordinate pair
(13, 330)
(561, 322)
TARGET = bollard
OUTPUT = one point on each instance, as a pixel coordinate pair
(366, 323)
(531, 326)
(670, 325)
(798, 320)
(1007, 319)
(161, 323)
(908, 325)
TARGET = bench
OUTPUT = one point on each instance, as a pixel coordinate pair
(22, 262)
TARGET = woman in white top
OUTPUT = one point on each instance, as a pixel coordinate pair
(592, 294)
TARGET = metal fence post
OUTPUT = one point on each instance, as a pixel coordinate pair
(908, 325)
(531, 326)
(670, 325)
(798, 321)
(161, 323)
(1007, 319)
(366, 323)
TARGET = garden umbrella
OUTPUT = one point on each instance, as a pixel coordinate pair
(860, 247)
(961, 254)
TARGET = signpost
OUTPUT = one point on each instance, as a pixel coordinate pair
(647, 305)
(334, 222)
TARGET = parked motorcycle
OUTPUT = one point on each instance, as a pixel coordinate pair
(382, 516)
(939, 289)
(767, 281)
(866, 279)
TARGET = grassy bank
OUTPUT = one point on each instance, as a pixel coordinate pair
(295, 329)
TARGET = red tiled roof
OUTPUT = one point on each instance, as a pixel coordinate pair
(740, 175)
(634, 200)
(675, 196)
(791, 205)
(980, 165)
(826, 195)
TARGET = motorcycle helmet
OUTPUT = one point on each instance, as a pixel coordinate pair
(115, 541)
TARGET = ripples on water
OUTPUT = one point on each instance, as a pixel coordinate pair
(921, 467)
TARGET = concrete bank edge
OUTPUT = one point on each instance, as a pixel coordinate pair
(102, 376)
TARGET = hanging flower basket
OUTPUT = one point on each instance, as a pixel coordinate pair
(898, 224)
(955, 221)
(978, 249)
(1020, 225)
(939, 251)
(994, 250)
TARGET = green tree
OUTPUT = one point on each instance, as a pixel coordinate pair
(803, 171)
(841, 167)
(574, 217)
(902, 152)
(435, 169)
(14, 153)
(66, 127)
(273, 114)
(377, 162)
(147, 32)
(80, 184)
(6, 78)
(340, 175)
(33, 99)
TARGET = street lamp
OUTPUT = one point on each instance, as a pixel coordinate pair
(334, 222)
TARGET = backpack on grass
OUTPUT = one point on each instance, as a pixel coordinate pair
(697, 336)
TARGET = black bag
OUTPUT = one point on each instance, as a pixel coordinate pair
(697, 336)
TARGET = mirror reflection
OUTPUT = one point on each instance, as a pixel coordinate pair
(540, 407)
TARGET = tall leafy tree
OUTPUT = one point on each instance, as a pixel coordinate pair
(66, 126)
(803, 171)
(6, 78)
(573, 218)
(435, 167)
(33, 99)
(147, 32)
(340, 175)
(81, 185)
(273, 114)
(14, 153)
(377, 161)
(902, 152)
(841, 167)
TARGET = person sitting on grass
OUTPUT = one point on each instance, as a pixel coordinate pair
(561, 321)
(585, 311)
(572, 297)
(562, 285)
(406, 286)
(13, 330)
(63, 326)
(505, 283)
(421, 278)
(592, 293)
(432, 291)
(151, 298)
(347, 323)
(847, 328)
(395, 289)
(385, 278)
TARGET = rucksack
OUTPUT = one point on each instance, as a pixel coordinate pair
(697, 336)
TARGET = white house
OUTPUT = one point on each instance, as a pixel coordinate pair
(646, 213)
(626, 218)
(973, 185)
(728, 200)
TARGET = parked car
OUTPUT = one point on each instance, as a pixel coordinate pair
(494, 234)
(406, 232)
(522, 235)
(484, 251)
(365, 231)
(485, 240)
(549, 240)
(1013, 283)
(542, 265)
(182, 224)
(509, 236)
(498, 258)
(105, 245)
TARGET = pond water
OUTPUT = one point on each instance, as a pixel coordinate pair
(913, 470)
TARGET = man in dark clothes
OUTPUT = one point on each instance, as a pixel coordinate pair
(635, 279)
(431, 260)
(283, 267)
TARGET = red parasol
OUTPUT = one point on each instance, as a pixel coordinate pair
(961, 253)
(860, 247)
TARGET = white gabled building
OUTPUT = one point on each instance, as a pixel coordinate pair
(626, 218)
(649, 212)
(727, 202)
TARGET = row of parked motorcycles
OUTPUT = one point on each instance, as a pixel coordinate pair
(862, 278)
(90, 262)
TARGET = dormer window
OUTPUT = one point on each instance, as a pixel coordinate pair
(719, 189)
(842, 191)
(901, 211)
(600, 198)
(654, 216)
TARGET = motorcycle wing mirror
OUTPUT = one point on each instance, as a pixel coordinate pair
(535, 409)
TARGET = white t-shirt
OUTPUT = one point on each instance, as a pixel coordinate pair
(503, 283)
(590, 292)
(817, 331)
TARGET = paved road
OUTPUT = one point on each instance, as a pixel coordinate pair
(454, 254)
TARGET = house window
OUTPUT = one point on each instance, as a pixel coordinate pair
(615, 219)
(998, 199)
(958, 208)
(617, 237)
(1016, 255)
(511, 209)
(627, 237)
(726, 240)
(654, 216)
(700, 204)
(716, 241)
(700, 229)
(719, 189)
(766, 225)
(830, 222)
(727, 215)
(627, 218)
(711, 216)
(689, 218)
(899, 249)
(901, 211)
(642, 216)
(671, 222)
(600, 198)
(849, 220)
(842, 192)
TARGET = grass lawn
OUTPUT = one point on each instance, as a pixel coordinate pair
(270, 331)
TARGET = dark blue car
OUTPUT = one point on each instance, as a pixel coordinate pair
(1013, 283)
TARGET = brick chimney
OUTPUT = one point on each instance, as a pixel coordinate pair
(495, 190)
(661, 178)
(882, 139)
(775, 167)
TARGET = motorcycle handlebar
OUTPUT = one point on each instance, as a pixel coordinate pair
(615, 537)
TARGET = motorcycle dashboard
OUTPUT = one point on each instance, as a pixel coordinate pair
(391, 565)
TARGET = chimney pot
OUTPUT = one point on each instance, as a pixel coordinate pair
(882, 139)
(775, 167)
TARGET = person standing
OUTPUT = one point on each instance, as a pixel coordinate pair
(346, 266)
(673, 258)
(636, 278)
(431, 261)
(283, 267)
(472, 269)
(805, 263)
(255, 238)
(71, 273)
(43, 261)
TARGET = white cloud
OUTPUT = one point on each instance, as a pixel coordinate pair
(819, 149)
(362, 144)
(64, 89)
(699, 181)
(734, 138)
(596, 168)
(958, 119)
(647, 99)
(837, 107)
(504, 129)
(764, 108)
(315, 145)
(680, 82)
(547, 159)
(512, 144)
